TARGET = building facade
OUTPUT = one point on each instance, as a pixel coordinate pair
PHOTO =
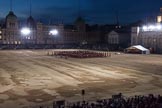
(120, 37)
(149, 35)
(151, 39)
(10, 32)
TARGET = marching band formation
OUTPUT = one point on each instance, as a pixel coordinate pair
(79, 54)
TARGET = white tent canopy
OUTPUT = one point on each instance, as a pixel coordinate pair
(140, 48)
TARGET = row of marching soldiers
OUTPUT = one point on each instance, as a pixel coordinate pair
(78, 54)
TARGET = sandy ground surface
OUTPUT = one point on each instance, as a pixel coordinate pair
(29, 77)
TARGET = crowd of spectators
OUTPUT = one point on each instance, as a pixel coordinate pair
(119, 101)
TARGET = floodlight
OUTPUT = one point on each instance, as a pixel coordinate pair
(25, 31)
(53, 32)
(158, 27)
(151, 27)
(144, 28)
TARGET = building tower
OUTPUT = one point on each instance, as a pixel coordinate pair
(80, 22)
(11, 20)
(117, 20)
(30, 20)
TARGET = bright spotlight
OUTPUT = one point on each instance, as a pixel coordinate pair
(151, 27)
(25, 31)
(53, 32)
(144, 28)
(158, 27)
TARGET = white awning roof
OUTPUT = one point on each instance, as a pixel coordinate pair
(139, 47)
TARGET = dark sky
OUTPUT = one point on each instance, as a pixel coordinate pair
(94, 11)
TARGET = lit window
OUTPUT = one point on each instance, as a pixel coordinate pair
(159, 19)
(0, 37)
(15, 42)
(0, 32)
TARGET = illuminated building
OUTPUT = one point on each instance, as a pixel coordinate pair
(11, 34)
(10, 31)
(149, 36)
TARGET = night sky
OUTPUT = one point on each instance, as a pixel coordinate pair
(94, 11)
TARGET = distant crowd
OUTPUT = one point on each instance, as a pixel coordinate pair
(117, 101)
(149, 101)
